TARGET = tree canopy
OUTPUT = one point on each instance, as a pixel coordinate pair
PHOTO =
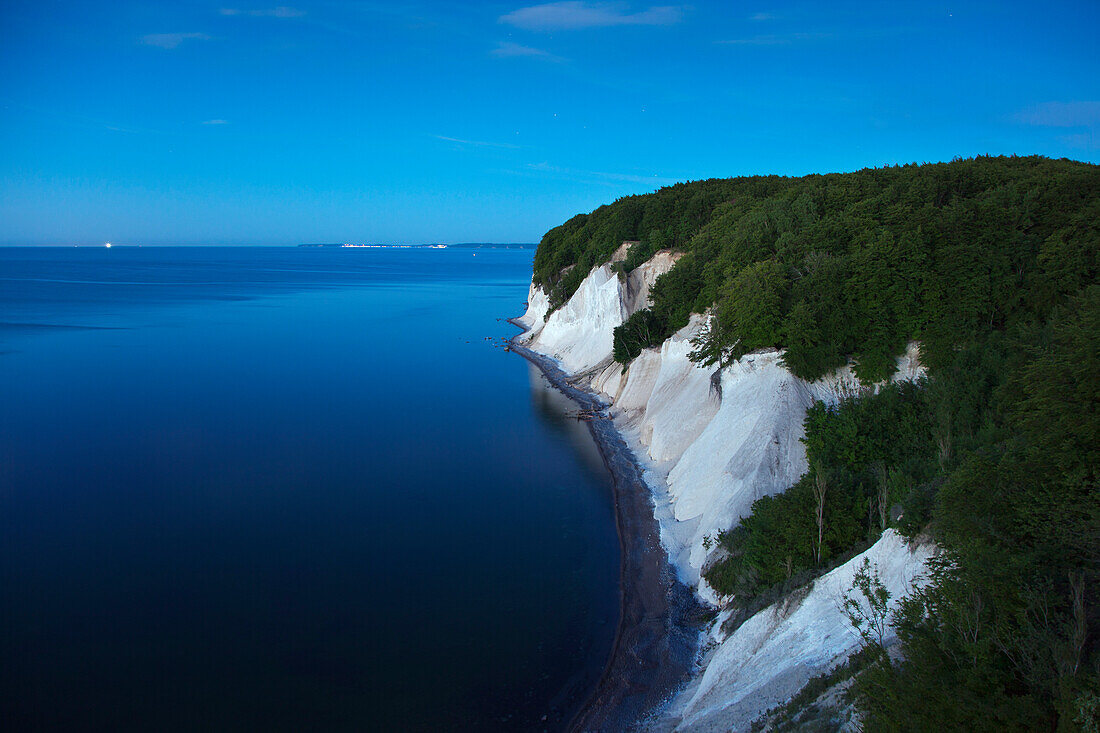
(991, 265)
(855, 264)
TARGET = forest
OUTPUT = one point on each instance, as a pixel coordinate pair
(990, 264)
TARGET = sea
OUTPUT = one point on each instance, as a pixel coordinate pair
(290, 488)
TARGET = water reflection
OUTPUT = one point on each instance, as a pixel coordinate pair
(241, 516)
(560, 414)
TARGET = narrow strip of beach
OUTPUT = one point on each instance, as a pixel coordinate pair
(657, 636)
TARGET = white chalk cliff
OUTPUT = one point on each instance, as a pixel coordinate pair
(711, 443)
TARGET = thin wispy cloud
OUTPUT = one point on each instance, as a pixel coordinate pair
(1061, 114)
(776, 39)
(215, 122)
(506, 49)
(281, 11)
(475, 143)
(601, 176)
(1082, 141)
(574, 15)
(171, 40)
(759, 17)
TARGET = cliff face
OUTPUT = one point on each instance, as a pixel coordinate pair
(712, 442)
(771, 656)
(579, 335)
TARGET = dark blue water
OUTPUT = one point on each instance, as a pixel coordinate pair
(269, 488)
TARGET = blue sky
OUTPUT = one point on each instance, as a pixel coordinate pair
(224, 122)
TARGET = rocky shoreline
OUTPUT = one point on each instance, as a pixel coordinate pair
(658, 634)
(690, 450)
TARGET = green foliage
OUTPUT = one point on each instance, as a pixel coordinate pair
(802, 711)
(864, 261)
(770, 545)
(750, 313)
(991, 264)
(1088, 711)
(867, 605)
(885, 431)
(664, 219)
(643, 329)
(1003, 638)
(890, 426)
(1056, 397)
(818, 337)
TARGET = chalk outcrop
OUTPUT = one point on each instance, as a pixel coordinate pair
(775, 652)
(579, 335)
(712, 441)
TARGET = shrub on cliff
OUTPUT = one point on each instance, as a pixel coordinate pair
(874, 449)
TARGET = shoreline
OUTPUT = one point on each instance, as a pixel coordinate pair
(656, 640)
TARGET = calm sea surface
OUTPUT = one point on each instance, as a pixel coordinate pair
(283, 488)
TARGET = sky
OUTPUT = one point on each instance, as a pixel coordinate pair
(400, 122)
